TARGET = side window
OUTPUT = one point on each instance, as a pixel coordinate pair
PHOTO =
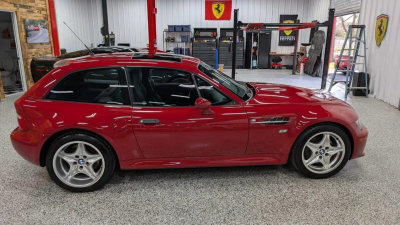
(162, 87)
(104, 86)
(213, 95)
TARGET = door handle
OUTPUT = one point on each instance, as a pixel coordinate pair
(149, 121)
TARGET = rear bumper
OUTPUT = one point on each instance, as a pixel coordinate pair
(28, 144)
(360, 140)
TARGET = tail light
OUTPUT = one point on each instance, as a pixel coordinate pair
(22, 124)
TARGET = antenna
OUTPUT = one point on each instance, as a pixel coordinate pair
(90, 51)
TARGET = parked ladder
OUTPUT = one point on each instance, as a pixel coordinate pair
(352, 62)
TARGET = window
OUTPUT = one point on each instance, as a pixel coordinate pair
(162, 87)
(238, 88)
(104, 85)
(213, 95)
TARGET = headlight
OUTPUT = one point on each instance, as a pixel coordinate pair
(359, 124)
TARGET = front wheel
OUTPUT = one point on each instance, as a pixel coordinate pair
(321, 151)
(80, 162)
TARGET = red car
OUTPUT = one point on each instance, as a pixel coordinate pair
(343, 62)
(93, 114)
(36, 27)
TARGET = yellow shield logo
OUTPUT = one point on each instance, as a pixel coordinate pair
(218, 9)
(288, 32)
(380, 28)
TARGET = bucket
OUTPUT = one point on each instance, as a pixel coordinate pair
(221, 67)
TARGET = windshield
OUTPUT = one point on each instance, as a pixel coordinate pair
(237, 87)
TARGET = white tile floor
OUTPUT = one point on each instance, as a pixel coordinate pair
(366, 191)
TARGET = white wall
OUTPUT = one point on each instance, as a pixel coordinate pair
(128, 18)
(382, 61)
(85, 19)
(318, 10)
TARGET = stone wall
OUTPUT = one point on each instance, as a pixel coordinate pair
(29, 9)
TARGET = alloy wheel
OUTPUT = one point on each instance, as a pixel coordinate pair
(323, 152)
(78, 164)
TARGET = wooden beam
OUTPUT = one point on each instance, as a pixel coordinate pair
(2, 95)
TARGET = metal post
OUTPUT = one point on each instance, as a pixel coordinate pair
(295, 51)
(151, 17)
(105, 23)
(327, 48)
(235, 30)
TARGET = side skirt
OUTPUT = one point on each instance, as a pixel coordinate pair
(215, 161)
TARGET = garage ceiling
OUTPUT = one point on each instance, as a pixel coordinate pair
(345, 7)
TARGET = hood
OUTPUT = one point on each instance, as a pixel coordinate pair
(284, 94)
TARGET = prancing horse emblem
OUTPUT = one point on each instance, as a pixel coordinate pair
(218, 9)
(381, 28)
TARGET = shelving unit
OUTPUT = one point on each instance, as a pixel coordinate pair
(177, 44)
(205, 44)
(252, 54)
(225, 48)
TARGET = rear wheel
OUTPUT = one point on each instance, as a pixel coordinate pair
(321, 151)
(80, 162)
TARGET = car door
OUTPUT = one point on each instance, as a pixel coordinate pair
(169, 128)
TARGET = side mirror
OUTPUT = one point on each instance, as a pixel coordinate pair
(204, 104)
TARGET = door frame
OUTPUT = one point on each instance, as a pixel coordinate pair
(19, 51)
(17, 40)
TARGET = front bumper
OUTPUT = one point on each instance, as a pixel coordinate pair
(28, 144)
(359, 139)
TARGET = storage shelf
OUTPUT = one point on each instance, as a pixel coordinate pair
(165, 34)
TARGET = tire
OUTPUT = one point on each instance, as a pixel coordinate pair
(321, 151)
(80, 162)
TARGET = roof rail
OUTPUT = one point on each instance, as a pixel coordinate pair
(158, 56)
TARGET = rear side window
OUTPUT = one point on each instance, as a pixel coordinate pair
(104, 86)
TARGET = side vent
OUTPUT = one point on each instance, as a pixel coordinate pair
(272, 121)
(280, 120)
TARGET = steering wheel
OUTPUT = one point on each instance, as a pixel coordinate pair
(179, 80)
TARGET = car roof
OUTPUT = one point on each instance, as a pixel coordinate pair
(113, 48)
(127, 57)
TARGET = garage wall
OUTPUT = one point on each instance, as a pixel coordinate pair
(84, 17)
(128, 18)
(382, 61)
(318, 10)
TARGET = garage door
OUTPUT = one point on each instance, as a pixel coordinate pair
(345, 7)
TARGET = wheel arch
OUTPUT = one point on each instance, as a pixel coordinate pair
(344, 128)
(52, 138)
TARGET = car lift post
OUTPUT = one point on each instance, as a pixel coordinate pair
(151, 17)
(235, 31)
(328, 46)
(105, 23)
(295, 51)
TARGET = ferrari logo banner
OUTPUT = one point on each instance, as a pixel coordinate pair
(288, 32)
(218, 10)
(381, 28)
(287, 37)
